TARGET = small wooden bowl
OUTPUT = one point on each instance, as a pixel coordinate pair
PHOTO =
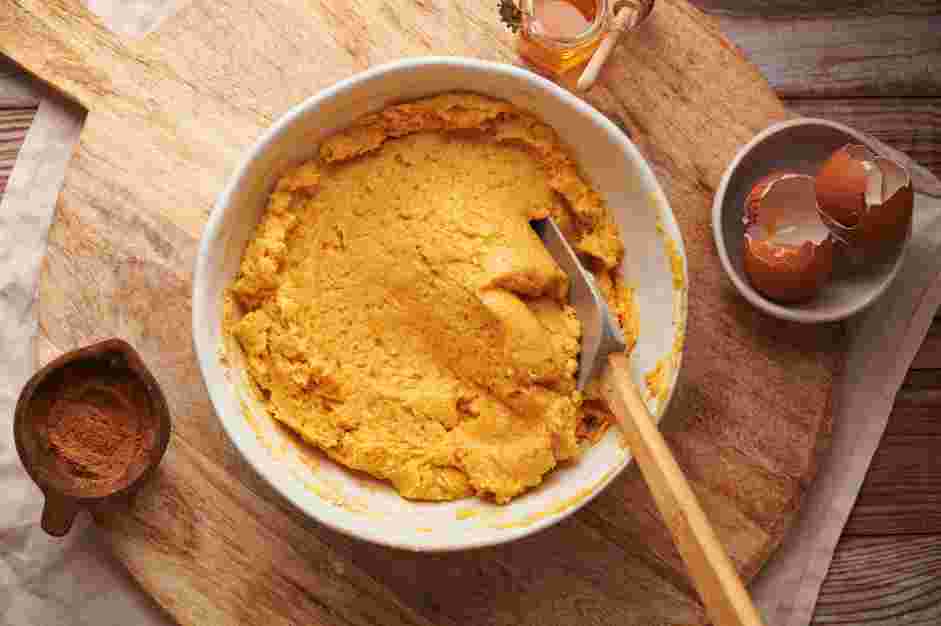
(64, 497)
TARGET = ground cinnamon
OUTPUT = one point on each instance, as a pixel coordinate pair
(98, 424)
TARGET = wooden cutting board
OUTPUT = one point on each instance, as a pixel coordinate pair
(169, 116)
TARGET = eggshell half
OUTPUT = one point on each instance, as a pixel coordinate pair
(788, 249)
(864, 199)
(788, 274)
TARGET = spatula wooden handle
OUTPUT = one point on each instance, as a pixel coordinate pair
(723, 594)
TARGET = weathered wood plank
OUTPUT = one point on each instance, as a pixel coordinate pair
(779, 9)
(894, 55)
(929, 356)
(17, 89)
(14, 123)
(912, 125)
(902, 491)
(885, 581)
(835, 47)
(18, 102)
(920, 382)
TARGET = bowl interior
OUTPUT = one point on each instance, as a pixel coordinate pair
(354, 503)
(801, 146)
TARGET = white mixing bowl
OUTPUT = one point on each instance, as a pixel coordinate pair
(348, 501)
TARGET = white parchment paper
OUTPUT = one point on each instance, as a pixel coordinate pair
(44, 581)
(75, 581)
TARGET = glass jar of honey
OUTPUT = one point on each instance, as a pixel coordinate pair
(558, 35)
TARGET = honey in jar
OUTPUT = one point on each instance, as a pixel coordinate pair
(558, 35)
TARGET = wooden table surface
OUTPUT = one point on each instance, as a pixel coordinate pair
(874, 65)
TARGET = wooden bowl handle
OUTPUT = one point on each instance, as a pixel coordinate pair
(723, 594)
(58, 513)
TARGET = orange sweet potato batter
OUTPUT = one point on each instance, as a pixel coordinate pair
(400, 313)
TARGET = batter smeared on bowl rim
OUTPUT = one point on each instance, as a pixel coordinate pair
(396, 309)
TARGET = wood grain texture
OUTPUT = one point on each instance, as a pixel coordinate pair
(837, 48)
(895, 55)
(883, 581)
(912, 125)
(902, 492)
(14, 122)
(17, 89)
(17, 108)
(169, 116)
(929, 356)
(805, 9)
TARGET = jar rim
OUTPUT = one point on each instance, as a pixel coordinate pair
(593, 29)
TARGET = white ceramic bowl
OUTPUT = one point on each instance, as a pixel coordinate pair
(799, 145)
(363, 507)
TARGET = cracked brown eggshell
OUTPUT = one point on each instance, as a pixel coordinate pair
(788, 249)
(865, 200)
